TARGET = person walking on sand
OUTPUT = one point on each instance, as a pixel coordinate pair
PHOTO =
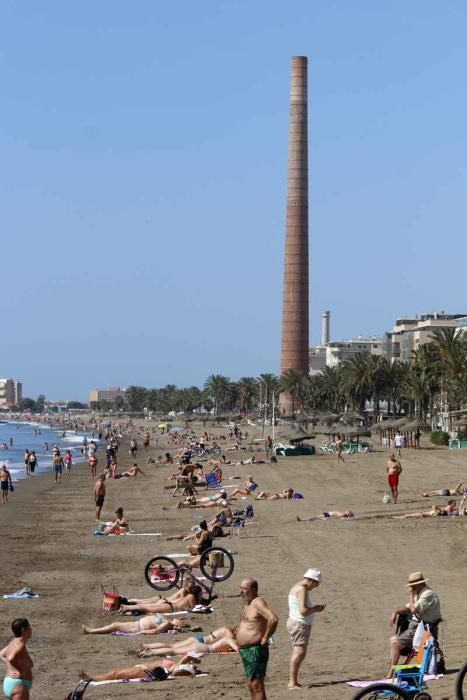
(93, 462)
(398, 444)
(68, 459)
(339, 448)
(57, 467)
(300, 621)
(19, 665)
(5, 483)
(393, 471)
(257, 624)
(99, 495)
(27, 467)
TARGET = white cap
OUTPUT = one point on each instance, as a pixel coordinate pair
(313, 574)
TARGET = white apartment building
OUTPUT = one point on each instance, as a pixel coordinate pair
(337, 351)
(408, 334)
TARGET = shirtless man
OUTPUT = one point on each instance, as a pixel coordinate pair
(257, 623)
(5, 482)
(186, 602)
(286, 494)
(99, 495)
(393, 471)
(19, 665)
(457, 491)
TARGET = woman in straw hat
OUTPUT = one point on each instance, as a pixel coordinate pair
(424, 606)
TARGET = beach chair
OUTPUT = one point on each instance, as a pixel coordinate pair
(410, 676)
(212, 482)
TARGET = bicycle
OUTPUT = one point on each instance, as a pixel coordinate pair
(388, 691)
(163, 573)
(460, 694)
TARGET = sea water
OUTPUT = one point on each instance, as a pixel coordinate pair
(33, 436)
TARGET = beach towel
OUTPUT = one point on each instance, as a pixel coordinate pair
(24, 596)
(202, 609)
(144, 534)
(365, 684)
(135, 634)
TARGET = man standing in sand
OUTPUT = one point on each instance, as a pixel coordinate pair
(301, 615)
(99, 495)
(398, 443)
(19, 665)
(257, 623)
(393, 471)
(5, 483)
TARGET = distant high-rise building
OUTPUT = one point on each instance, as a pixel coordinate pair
(10, 392)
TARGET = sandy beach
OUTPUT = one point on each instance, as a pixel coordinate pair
(47, 544)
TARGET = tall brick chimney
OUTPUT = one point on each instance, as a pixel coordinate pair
(295, 332)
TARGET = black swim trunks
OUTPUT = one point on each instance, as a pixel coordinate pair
(100, 501)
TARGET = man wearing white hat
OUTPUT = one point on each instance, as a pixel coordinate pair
(424, 606)
(301, 615)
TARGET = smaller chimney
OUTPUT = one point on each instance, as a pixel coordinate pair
(325, 320)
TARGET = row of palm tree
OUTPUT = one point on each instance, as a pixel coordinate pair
(435, 375)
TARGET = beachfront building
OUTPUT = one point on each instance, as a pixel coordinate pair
(408, 334)
(337, 351)
(100, 395)
(11, 392)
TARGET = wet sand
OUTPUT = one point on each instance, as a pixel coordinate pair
(47, 544)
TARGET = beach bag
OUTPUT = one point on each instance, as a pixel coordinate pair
(110, 601)
(386, 498)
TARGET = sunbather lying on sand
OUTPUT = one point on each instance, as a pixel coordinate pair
(149, 624)
(187, 666)
(203, 501)
(457, 491)
(220, 640)
(183, 591)
(286, 494)
(247, 489)
(329, 515)
(186, 602)
(436, 511)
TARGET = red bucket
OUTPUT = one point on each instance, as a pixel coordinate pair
(110, 602)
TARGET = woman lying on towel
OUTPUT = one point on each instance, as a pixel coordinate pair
(286, 494)
(186, 602)
(329, 515)
(221, 640)
(187, 666)
(149, 624)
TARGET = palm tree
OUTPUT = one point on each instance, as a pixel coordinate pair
(451, 350)
(220, 389)
(292, 383)
(246, 392)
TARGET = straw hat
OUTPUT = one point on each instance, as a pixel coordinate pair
(416, 578)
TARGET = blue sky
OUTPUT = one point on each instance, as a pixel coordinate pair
(143, 153)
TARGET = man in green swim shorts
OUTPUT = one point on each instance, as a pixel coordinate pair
(257, 624)
(18, 674)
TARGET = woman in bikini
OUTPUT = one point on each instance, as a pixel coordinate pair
(187, 666)
(119, 526)
(149, 624)
(221, 640)
(286, 494)
(436, 511)
(247, 489)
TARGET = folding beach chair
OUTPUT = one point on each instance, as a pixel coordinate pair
(211, 481)
(410, 676)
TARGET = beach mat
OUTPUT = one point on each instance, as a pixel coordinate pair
(13, 596)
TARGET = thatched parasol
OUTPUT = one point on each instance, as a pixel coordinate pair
(298, 435)
(417, 424)
(356, 431)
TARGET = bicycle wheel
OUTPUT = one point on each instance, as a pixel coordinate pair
(216, 452)
(461, 691)
(378, 691)
(217, 564)
(162, 573)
